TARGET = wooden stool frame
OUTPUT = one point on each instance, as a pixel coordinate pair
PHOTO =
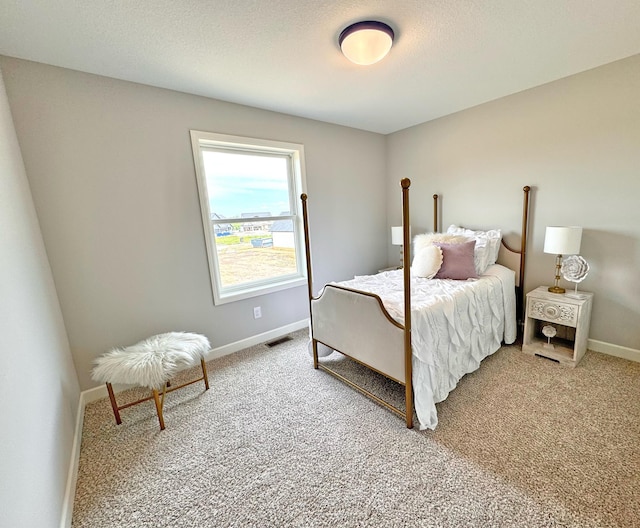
(156, 396)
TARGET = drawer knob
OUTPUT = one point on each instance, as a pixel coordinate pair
(551, 311)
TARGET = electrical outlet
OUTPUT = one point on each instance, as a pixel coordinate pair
(257, 312)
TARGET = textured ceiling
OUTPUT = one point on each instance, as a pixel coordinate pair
(282, 55)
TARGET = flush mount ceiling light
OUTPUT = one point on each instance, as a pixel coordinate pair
(366, 42)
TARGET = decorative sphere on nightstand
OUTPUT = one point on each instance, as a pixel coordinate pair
(549, 331)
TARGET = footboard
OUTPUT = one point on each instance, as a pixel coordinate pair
(356, 324)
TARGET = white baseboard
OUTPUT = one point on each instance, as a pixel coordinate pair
(256, 340)
(614, 350)
(95, 394)
(72, 475)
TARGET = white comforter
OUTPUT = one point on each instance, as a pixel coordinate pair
(455, 325)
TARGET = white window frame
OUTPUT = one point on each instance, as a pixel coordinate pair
(295, 152)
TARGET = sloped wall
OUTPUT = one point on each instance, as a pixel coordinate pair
(39, 390)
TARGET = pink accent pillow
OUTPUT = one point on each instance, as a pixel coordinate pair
(457, 261)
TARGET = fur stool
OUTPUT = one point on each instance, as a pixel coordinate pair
(152, 363)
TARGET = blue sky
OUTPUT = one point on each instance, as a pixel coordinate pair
(246, 183)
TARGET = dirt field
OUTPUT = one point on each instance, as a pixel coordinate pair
(242, 263)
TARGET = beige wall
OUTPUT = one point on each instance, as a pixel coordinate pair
(577, 143)
(112, 175)
(38, 385)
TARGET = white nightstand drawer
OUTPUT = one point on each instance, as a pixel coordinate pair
(562, 313)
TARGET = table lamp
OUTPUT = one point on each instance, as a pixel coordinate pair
(397, 239)
(561, 241)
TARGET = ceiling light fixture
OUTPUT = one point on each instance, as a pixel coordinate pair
(366, 42)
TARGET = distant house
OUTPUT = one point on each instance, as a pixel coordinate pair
(282, 233)
(257, 225)
(221, 229)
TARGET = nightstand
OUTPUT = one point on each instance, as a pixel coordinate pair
(568, 314)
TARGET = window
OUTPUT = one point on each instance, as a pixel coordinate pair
(250, 200)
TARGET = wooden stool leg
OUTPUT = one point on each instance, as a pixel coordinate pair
(114, 405)
(156, 398)
(204, 374)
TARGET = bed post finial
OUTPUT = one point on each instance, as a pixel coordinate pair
(405, 183)
(435, 213)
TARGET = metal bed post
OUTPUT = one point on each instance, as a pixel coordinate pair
(523, 252)
(305, 221)
(406, 256)
(520, 307)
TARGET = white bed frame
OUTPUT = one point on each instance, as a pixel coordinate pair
(356, 323)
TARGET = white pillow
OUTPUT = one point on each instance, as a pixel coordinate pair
(427, 262)
(487, 245)
(428, 239)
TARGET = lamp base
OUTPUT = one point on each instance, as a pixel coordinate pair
(555, 288)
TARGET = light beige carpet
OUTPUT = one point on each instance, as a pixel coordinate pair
(521, 442)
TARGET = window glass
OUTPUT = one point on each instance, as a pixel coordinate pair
(248, 193)
(242, 184)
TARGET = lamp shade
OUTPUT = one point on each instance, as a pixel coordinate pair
(562, 240)
(396, 235)
(366, 42)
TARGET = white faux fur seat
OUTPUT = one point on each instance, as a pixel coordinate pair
(152, 363)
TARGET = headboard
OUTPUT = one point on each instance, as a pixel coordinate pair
(510, 257)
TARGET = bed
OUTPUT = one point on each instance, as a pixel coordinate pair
(450, 327)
